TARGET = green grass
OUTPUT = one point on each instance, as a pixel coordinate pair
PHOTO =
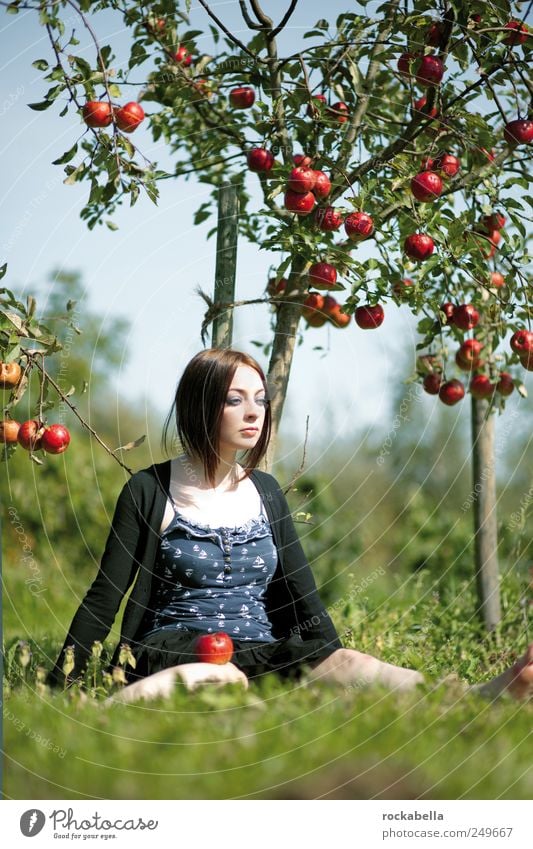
(282, 740)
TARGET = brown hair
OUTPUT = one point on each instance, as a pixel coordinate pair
(199, 404)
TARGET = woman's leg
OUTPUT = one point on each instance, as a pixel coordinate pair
(192, 675)
(355, 669)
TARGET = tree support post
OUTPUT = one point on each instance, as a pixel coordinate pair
(485, 517)
(226, 263)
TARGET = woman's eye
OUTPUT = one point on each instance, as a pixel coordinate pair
(233, 401)
(263, 401)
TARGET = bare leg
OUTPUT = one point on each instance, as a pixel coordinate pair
(517, 681)
(192, 675)
(355, 669)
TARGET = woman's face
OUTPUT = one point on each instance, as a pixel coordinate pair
(244, 413)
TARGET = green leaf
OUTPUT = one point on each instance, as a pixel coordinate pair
(40, 107)
(3, 270)
(67, 156)
(112, 225)
(40, 64)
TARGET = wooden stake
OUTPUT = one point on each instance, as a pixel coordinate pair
(226, 264)
(485, 517)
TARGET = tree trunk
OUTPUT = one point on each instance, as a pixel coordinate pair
(279, 368)
(485, 517)
(226, 265)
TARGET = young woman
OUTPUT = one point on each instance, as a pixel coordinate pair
(209, 545)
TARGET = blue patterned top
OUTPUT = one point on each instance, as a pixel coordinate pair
(212, 579)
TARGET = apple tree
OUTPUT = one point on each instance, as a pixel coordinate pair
(406, 129)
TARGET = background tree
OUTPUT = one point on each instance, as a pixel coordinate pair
(423, 162)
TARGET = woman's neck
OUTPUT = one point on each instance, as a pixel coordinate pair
(227, 472)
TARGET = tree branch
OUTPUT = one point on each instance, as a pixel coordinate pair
(228, 32)
(282, 24)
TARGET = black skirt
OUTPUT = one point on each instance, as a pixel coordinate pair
(286, 656)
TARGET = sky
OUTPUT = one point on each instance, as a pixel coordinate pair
(148, 269)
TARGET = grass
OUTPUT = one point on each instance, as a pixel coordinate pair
(292, 741)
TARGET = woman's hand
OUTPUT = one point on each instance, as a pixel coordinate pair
(192, 675)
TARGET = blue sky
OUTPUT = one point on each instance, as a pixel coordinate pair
(147, 270)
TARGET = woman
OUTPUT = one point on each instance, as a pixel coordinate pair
(209, 545)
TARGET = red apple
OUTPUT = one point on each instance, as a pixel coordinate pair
(328, 218)
(449, 311)
(182, 56)
(447, 164)
(129, 116)
(518, 132)
(429, 71)
(427, 163)
(434, 34)
(9, 374)
(214, 648)
(451, 392)
(465, 316)
(497, 279)
(322, 275)
(302, 159)
(278, 288)
(522, 342)
(426, 186)
(495, 221)
(419, 104)
(260, 159)
(505, 385)
(242, 97)
(97, 113)
(312, 310)
(9, 430)
(313, 111)
(405, 62)
(403, 288)
(29, 435)
(322, 186)
(333, 312)
(299, 203)
(55, 439)
(419, 246)
(339, 111)
(432, 383)
(481, 387)
(301, 179)
(368, 317)
(519, 35)
(358, 226)
(527, 360)
(467, 357)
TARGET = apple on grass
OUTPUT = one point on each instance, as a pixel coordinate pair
(214, 648)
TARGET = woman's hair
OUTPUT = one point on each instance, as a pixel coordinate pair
(199, 404)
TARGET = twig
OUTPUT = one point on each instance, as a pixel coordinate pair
(302, 464)
(228, 32)
(32, 356)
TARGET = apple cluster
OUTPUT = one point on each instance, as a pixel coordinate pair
(32, 434)
(100, 113)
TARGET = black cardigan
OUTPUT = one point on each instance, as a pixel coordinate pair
(291, 600)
